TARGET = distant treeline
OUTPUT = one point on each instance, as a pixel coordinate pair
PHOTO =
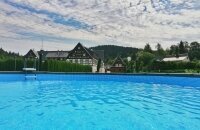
(49, 65)
(4, 54)
(112, 51)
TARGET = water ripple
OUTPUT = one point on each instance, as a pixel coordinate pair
(101, 104)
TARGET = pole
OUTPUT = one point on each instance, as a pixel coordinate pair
(15, 63)
(35, 64)
(38, 64)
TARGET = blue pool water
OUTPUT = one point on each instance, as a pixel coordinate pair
(108, 102)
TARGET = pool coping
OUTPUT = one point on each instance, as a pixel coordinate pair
(127, 74)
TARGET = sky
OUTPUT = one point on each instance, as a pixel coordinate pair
(61, 24)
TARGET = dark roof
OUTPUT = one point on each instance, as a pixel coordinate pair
(64, 54)
(90, 52)
(32, 54)
(56, 54)
(53, 54)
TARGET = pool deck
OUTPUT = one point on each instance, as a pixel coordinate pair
(130, 74)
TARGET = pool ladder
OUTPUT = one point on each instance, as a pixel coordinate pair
(30, 76)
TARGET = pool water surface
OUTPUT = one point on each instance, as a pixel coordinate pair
(89, 102)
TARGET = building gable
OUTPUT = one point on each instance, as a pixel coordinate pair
(118, 66)
(79, 52)
(118, 62)
(31, 54)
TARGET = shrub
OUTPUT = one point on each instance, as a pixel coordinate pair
(175, 66)
(49, 65)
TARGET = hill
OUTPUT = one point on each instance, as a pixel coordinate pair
(112, 51)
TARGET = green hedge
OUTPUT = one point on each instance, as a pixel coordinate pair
(175, 65)
(50, 65)
(176, 71)
(63, 66)
(12, 64)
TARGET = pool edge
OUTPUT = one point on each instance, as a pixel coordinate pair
(196, 75)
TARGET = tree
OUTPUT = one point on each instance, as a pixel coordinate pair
(129, 65)
(183, 47)
(98, 65)
(144, 59)
(160, 53)
(177, 51)
(194, 52)
(5, 55)
(167, 51)
(174, 50)
(133, 56)
(158, 47)
(147, 48)
(187, 47)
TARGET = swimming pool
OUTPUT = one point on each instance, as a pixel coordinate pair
(88, 102)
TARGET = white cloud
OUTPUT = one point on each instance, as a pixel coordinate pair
(130, 23)
(22, 46)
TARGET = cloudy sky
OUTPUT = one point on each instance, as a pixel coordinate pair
(63, 23)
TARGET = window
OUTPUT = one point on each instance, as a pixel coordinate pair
(81, 61)
(90, 61)
(86, 61)
(76, 61)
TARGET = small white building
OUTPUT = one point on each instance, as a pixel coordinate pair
(180, 58)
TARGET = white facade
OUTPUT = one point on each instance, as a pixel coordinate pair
(91, 62)
(181, 58)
